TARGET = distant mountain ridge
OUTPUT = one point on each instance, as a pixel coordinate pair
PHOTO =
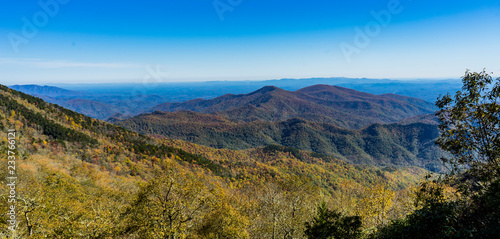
(424, 89)
(50, 91)
(319, 103)
(95, 106)
(129, 99)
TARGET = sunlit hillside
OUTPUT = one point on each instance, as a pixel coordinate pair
(81, 177)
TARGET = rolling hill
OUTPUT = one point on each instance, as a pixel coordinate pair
(377, 144)
(94, 104)
(91, 108)
(320, 103)
(50, 91)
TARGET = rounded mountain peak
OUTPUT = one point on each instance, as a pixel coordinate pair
(266, 89)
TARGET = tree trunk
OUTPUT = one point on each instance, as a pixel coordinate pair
(28, 224)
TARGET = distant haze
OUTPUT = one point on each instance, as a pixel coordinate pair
(104, 100)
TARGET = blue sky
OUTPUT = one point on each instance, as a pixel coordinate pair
(76, 41)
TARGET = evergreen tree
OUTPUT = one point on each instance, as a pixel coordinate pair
(328, 224)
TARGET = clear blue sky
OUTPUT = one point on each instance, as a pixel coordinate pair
(77, 41)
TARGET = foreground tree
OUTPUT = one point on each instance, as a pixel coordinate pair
(332, 224)
(470, 127)
(375, 204)
(168, 206)
(224, 222)
(282, 208)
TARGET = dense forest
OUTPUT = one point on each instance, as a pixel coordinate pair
(80, 177)
(334, 105)
(378, 144)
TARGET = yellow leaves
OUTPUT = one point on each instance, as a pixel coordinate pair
(61, 206)
(19, 124)
(74, 125)
(214, 207)
(117, 169)
(224, 222)
(431, 191)
(375, 205)
(169, 204)
(29, 167)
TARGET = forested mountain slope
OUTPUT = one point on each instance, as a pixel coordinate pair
(80, 177)
(378, 144)
(320, 103)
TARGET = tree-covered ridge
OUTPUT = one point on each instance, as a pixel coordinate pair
(90, 136)
(48, 126)
(382, 145)
(118, 187)
(334, 105)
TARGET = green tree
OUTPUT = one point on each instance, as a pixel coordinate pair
(470, 127)
(332, 224)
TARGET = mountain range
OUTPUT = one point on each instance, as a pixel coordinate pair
(361, 128)
(427, 90)
(358, 127)
(102, 101)
(336, 105)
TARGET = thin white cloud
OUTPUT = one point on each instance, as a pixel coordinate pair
(54, 64)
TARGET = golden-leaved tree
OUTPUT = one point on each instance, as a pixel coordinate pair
(169, 205)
